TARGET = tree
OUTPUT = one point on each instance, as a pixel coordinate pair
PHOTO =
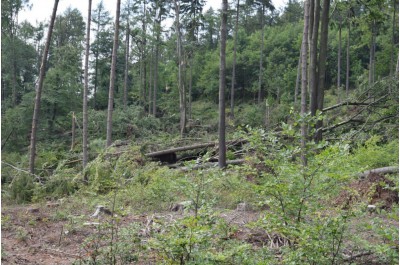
(222, 84)
(86, 90)
(233, 82)
(181, 85)
(112, 76)
(160, 10)
(339, 59)
(313, 56)
(322, 64)
(32, 152)
(192, 15)
(101, 49)
(9, 28)
(263, 4)
(304, 59)
(127, 37)
(64, 77)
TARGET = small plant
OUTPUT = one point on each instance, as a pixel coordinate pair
(21, 234)
(296, 193)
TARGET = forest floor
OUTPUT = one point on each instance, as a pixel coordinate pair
(44, 234)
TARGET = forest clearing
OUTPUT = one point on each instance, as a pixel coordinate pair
(171, 133)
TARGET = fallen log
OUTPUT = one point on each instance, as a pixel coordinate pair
(211, 164)
(381, 170)
(190, 147)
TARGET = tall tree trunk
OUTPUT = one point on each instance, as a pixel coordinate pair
(181, 85)
(112, 76)
(311, 22)
(13, 32)
(313, 58)
(96, 71)
(14, 73)
(85, 92)
(260, 74)
(348, 59)
(127, 34)
(143, 57)
(339, 60)
(372, 55)
(150, 79)
(233, 84)
(156, 55)
(190, 88)
(298, 76)
(222, 84)
(304, 83)
(322, 64)
(73, 132)
(39, 87)
(392, 52)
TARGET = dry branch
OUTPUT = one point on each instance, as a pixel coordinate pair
(22, 170)
(345, 104)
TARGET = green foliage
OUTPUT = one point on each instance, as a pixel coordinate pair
(61, 184)
(251, 115)
(296, 193)
(21, 189)
(201, 240)
(373, 154)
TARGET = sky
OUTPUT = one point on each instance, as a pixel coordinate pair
(41, 9)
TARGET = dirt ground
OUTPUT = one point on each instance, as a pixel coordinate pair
(42, 234)
(34, 234)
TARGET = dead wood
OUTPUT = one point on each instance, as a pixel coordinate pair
(345, 104)
(382, 170)
(190, 147)
(210, 165)
(353, 257)
(39, 179)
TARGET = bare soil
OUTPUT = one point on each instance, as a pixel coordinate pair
(42, 234)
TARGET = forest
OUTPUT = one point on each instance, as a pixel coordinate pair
(168, 133)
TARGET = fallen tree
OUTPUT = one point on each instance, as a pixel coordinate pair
(209, 165)
(381, 170)
(191, 147)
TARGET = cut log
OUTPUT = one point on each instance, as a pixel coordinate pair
(382, 170)
(178, 149)
(212, 164)
(190, 147)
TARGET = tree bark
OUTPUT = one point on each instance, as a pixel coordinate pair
(339, 60)
(158, 32)
(112, 76)
(304, 55)
(381, 170)
(232, 114)
(222, 84)
(96, 62)
(313, 58)
(39, 87)
(150, 92)
(392, 52)
(296, 89)
(348, 59)
(181, 85)
(85, 92)
(125, 98)
(322, 63)
(260, 74)
(372, 56)
(73, 132)
(143, 57)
